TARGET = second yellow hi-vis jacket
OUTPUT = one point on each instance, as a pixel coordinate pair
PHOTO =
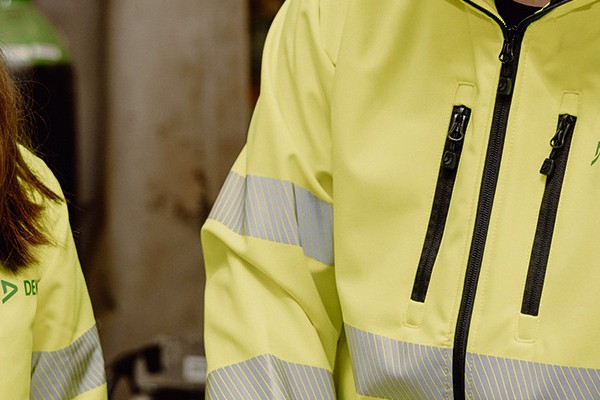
(416, 214)
(49, 345)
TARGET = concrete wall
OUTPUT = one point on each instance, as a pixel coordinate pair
(176, 112)
(163, 112)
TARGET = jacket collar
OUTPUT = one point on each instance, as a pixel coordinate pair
(565, 7)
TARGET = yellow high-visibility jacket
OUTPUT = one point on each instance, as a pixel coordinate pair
(49, 348)
(415, 213)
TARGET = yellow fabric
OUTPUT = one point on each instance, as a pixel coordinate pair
(50, 307)
(354, 107)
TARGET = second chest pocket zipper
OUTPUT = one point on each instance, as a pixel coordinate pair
(554, 168)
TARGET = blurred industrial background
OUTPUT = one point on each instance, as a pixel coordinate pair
(153, 99)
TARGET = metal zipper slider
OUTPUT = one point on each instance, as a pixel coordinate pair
(456, 135)
(566, 124)
(507, 54)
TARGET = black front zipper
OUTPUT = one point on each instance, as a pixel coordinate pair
(554, 167)
(441, 200)
(509, 57)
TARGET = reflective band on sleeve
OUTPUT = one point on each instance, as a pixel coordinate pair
(396, 370)
(66, 373)
(278, 211)
(268, 378)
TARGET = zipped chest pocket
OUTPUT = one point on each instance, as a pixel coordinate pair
(554, 168)
(450, 161)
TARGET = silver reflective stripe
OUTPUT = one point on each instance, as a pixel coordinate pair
(503, 378)
(396, 370)
(278, 211)
(268, 378)
(66, 373)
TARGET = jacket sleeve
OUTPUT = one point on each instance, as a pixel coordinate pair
(272, 318)
(67, 361)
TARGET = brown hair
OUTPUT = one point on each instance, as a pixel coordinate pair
(20, 214)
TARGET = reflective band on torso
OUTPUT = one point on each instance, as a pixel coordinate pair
(397, 370)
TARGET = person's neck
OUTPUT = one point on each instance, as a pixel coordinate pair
(532, 3)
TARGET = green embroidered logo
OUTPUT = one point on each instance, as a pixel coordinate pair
(9, 290)
(597, 156)
(30, 288)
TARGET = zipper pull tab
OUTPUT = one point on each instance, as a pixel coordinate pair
(566, 123)
(456, 135)
(507, 54)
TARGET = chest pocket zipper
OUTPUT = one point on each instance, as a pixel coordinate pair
(554, 167)
(441, 202)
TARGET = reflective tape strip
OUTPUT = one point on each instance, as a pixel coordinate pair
(278, 211)
(268, 378)
(66, 373)
(503, 378)
(396, 370)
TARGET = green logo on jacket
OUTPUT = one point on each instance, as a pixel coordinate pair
(9, 290)
(30, 288)
(597, 154)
